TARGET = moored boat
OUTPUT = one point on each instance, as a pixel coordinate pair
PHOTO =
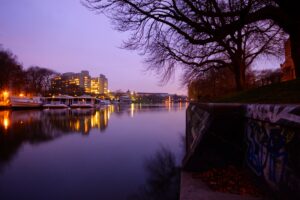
(84, 101)
(25, 102)
(125, 100)
(61, 101)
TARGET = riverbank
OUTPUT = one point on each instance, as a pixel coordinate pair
(261, 139)
(287, 92)
(193, 188)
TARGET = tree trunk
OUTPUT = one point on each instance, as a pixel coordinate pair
(240, 77)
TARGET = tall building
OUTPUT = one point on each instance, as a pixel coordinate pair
(99, 85)
(67, 83)
(85, 81)
(82, 79)
(288, 67)
(103, 84)
(79, 83)
(95, 86)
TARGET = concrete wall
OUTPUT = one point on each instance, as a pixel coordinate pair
(263, 138)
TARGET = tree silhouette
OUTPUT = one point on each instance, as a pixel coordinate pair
(284, 13)
(38, 79)
(11, 76)
(198, 35)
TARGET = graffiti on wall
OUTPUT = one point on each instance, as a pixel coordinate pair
(199, 121)
(266, 153)
(271, 136)
(274, 113)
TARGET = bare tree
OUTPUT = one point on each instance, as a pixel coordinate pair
(38, 79)
(282, 12)
(11, 76)
(198, 35)
(215, 83)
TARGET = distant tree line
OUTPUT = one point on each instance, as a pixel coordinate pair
(217, 83)
(14, 78)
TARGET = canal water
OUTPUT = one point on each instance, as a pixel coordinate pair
(114, 153)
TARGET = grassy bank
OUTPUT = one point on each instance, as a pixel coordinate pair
(286, 93)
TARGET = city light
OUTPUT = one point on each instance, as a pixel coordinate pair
(5, 123)
(4, 98)
(5, 94)
(4, 119)
(132, 110)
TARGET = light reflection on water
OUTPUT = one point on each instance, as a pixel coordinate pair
(44, 156)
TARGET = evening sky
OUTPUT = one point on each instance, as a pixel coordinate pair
(65, 36)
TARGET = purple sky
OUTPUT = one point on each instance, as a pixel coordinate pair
(65, 36)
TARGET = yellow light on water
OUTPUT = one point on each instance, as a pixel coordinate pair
(4, 119)
(77, 125)
(86, 126)
(95, 120)
(108, 113)
(105, 117)
(5, 123)
(132, 110)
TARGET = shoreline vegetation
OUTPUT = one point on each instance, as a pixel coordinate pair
(287, 92)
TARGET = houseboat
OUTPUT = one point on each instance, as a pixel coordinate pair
(84, 101)
(25, 102)
(125, 99)
(61, 101)
(104, 102)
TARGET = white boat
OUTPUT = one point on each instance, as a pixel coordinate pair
(25, 102)
(61, 101)
(84, 101)
(125, 99)
(105, 102)
(114, 102)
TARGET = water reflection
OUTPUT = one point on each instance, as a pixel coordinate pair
(4, 119)
(117, 150)
(82, 120)
(34, 126)
(163, 178)
(77, 120)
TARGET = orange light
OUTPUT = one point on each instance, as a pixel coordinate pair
(4, 119)
(5, 94)
(5, 123)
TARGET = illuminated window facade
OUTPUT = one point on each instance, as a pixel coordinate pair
(103, 82)
(95, 86)
(78, 83)
(99, 85)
